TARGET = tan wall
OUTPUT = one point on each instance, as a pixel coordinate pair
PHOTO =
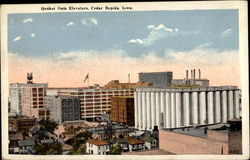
(218, 136)
(185, 144)
(235, 143)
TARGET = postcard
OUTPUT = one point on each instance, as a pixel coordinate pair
(162, 80)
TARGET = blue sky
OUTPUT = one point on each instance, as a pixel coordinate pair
(111, 45)
(137, 33)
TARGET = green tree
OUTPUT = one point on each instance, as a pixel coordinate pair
(78, 142)
(48, 149)
(48, 125)
(116, 149)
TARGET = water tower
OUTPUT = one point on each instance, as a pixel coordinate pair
(29, 78)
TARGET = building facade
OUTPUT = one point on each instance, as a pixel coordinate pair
(122, 110)
(28, 99)
(96, 102)
(115, 84)
(173, 108)
(162, 79)
(97, 147)
(63, 108)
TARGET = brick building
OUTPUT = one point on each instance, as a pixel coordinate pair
(122, 110)
(215, 139)
(115, 84)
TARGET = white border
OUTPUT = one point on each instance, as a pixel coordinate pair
(137, 6)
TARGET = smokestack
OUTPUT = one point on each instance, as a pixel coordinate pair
(187, 74)
(199, 74)
(194, 73)
(191, 74)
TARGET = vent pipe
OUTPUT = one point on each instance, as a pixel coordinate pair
(191, 74)
(187, 74)
(194, 73)
(199, 74)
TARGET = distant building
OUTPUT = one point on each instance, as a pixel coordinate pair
(162, 79)
(219, 139)
(97, 147)
(63, 108)
(115, 84)
(173, 108)
(27, 99)
(122, 110)
(95, 102)
(21, 124)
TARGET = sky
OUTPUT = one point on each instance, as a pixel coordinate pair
(61, 48)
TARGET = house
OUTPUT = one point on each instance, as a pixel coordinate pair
(25, 146)
(135, 144)
(150, 142)
(66, 149)
(97, 147)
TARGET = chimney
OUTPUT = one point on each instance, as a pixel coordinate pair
(199, 74)
(187, 74)
(194, 73)
(191, 74)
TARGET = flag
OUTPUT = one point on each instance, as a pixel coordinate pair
(86, 77)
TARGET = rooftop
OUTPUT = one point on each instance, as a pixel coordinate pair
(98, 142)
(132, 140)
(148, 152)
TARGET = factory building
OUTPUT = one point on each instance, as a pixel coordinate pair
(193, 81)
(95, 102)
(115, 84)
(161, 79)
(173, 108)
(63, 108)
(122, 110)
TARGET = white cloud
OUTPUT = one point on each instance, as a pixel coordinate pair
(32, 35)
(136, 41)
(70, 24)
(27, 20)
(205, 45)
(17, 38)
(226, 33)
(159, 32)
(89, 21)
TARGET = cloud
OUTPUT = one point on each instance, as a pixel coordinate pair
(70, 24)
(68, 69)
(89, 21)
(17, 38)
(27, 20)
(226, 33)
(160, 32)
(205, 45)
(32, 35)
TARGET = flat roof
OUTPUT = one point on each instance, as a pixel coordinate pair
(148, 152)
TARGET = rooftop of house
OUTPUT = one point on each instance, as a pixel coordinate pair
(98, 142)
(66, 147)
(16, 137)
(199, 131)
(24, 143)
(132, 140)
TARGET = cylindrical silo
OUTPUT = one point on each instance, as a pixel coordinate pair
(144, 111)
(148, 110)
(178, 109)
(163, 110)
(139, 110)
(237, 104)
(210, 107)
(202, 114)
(157, 97)
(224, 106)
(195, 108)
(153, 108)
(173, 122)
(230, 105)
(217, 107)
(136, 110)
(168, 110)
(186, 104)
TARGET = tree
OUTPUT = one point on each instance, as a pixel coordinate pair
(116, 149)
(48, 125)
(48, 148)
(78, 142)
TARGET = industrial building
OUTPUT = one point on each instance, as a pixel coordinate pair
(122, 110)
(193, 81)
(162, 79)
(115, 84)
(63, 108)
(95, 102)
(174, 107)
(217, 139)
